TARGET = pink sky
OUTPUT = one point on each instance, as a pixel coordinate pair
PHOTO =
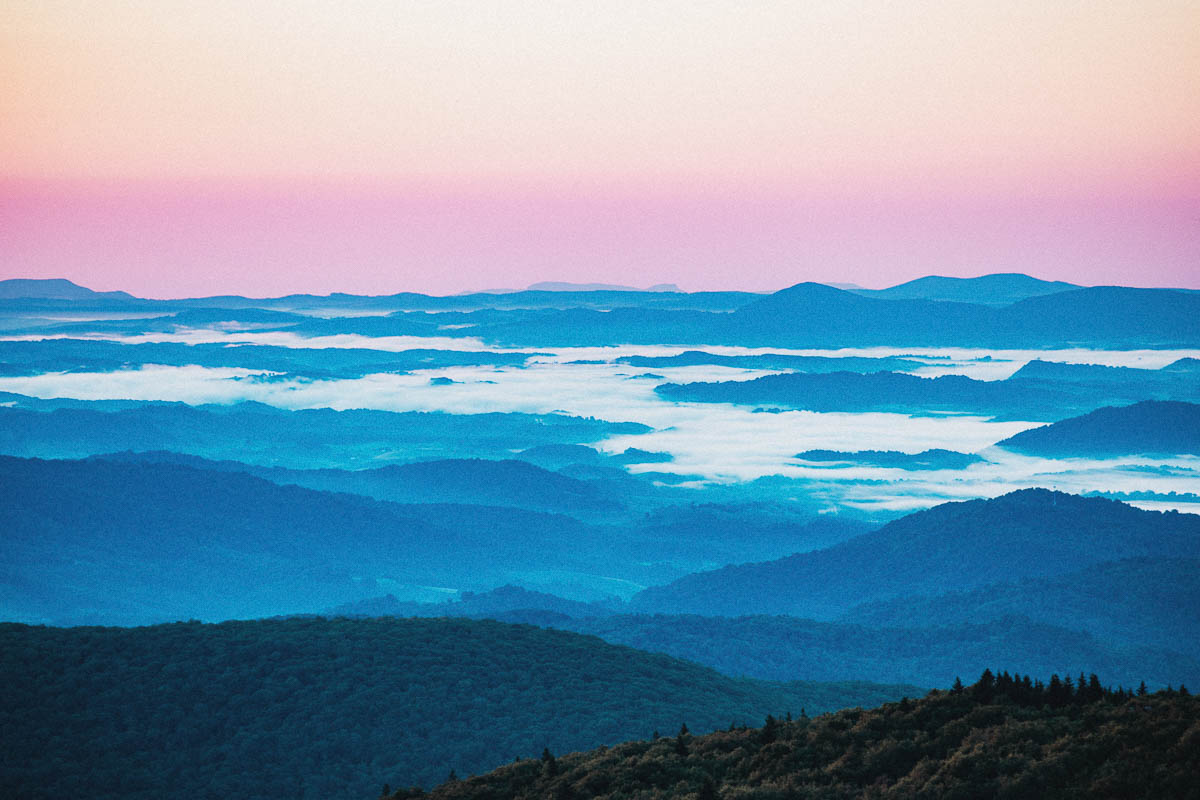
(185, 240)
(173, 149)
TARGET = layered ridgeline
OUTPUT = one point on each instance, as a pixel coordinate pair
(1003, 737)
(1148, 428)
(952, 547)
(805, 315)
(998, 289)
(158, 537)
(995, 289)
(1136, 601)
(31, 357)
(1038, 391)
(890, 650)
(1052, 582)
(313, 708)
(261, 434)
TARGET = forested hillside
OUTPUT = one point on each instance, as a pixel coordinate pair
(316, 708)
(1003, 737)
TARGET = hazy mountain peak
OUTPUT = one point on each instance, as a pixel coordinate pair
(566, 286)
(53, 289)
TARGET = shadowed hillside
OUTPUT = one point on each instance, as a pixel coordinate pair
(1000, 738)
(954, 546)
(1149, 427)
(315, 708)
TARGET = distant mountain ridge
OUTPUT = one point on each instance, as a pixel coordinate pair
(54, 289)
(476, 481)
(954, 546)
(1038, 391)
(922, 649)
(995, 289)
(1149, 427)
(563, 286)
(1134, 601)
(804, 315)
(269, 436)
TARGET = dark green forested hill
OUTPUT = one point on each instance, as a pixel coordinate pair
(318, 708)
(997, 739)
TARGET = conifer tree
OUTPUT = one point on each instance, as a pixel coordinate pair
(985, 688)
(770, 730)
(681, 747)
(1054, 692)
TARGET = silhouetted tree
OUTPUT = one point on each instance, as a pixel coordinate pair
(985, 688)
(770, 730)
(681, 747)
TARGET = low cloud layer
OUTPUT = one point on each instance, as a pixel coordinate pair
(718, 441)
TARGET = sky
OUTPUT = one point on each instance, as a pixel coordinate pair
(173, 148)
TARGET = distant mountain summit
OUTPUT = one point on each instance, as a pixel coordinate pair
(998, 289)
(54, 289)
(564, 286)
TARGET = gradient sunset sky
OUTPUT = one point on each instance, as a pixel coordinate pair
(189, 148)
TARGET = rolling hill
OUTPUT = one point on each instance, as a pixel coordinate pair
(133, 543)
(1150, 427)
(1003, 737)
(997, 289)
(269, 436)
(1140, 601)
(315, 708)
(954, 546)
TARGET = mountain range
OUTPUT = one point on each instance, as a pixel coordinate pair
(804, 315)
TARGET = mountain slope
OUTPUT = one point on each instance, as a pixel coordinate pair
(133, 543)
(997, 289)
(261, 434)
(53, 289)
(459, 481)
(992, 740)
(1149, 427)
(309, 708)
(1140, 600)
(787, 648)
(954, 546)
(1036, 391)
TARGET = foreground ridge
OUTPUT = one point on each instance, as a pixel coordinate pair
(1003, 737)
